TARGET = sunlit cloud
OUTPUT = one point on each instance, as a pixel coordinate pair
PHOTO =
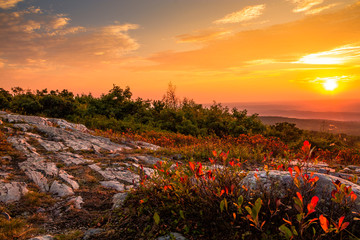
(305, 5)
(6, 4)
(202, 36)
(339, 55)
(31, 36)
(320, 9)
(245, 14)
(59, 22)
(261, 62)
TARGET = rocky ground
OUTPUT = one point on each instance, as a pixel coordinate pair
(82, 174)
(62, 177)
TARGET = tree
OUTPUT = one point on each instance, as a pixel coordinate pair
(170, 99)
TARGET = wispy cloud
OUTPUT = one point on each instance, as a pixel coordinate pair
(44, 38)
(202, 36)
(6, 4)
(339, 55)
(305, 5)
(245, 14)
(320, 9)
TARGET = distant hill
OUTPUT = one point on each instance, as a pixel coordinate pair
(331, 126)
(338, 110)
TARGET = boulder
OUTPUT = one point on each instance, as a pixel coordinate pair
(277, 183)
(11, 192)
(60, 189)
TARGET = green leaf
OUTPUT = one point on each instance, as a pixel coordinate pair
(156, 218)
(286, 231)
(222, 204)
(182, 214)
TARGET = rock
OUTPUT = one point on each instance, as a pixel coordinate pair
(172, 236)
(46, 237)
(23, 127)
(91, 232)
(12, 192)
(146, 145)
(118, 173)
(71, 158)
(277, 183)
(352, 167)
(118, 199)
(38, 179)
(76, 202)
(113, 184)
(149, 159)
(7, 158)
(20, 144)
(69, 179)
(4, 175)
(39, 164)
(60, 189)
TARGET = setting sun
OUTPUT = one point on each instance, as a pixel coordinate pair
(330, 84)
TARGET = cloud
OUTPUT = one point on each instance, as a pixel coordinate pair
(320, 9)
(286, 42)
(245, 14)
(6, 4)
(305, 5)
(340, 55)
(202, 36)
(41, 37)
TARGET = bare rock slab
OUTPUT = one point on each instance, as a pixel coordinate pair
(12, 192)
(60, 189)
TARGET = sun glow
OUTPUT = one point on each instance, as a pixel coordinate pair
(330, 84)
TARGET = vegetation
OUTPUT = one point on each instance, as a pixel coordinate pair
(202, 199)
(211, 203)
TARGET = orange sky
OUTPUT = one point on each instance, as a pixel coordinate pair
(277, 50)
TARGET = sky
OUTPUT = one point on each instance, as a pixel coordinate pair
(211, 50)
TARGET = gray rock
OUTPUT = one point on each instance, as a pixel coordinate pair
(171, 236)
(113, 184)
(46, 237)
(71, 158)
(118, 199)
(23, 127)
(76, 202)
(149, 159)
(60, 189)
(277, 182)
(91, 232)
(38, 179)
(69, 179)
(8, 158)
(118, 173)
(145, 145)
(39, 164)
(12, 192)
(20, 143)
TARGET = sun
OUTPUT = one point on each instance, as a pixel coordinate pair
(330, 84)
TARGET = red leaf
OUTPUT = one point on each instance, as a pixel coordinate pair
(353, 196)
(192, 166)
(341, 219)
(214, 153)
(344, 226)
(324, 223)
(290, 171)
(299, 196)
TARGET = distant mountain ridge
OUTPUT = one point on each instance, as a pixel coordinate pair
(323, 125)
